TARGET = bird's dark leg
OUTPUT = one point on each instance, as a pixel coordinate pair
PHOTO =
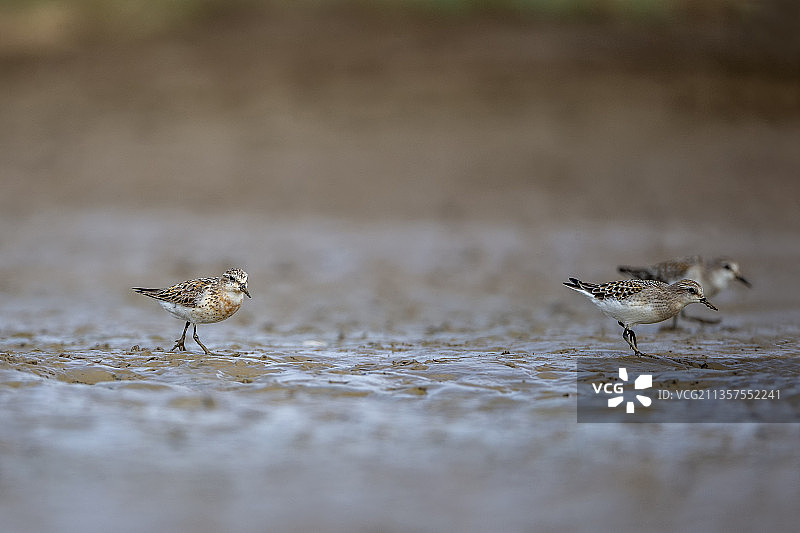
(197, 340)
(632, 335)
(179, 343)
(630, 338)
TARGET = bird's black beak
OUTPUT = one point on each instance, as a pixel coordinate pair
(244, 290)
(744, 281)
(708, 304)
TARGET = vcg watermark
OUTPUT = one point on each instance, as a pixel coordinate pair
(617, 390)
(747, 390)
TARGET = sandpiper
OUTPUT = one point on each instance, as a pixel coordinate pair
(634, 301)
(714, 275)
(202, 301)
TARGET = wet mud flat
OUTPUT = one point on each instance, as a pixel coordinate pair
(413, 377)
(397, 434)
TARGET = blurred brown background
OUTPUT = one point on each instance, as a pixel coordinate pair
(526, 112)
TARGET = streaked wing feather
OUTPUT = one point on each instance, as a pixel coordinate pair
(620, 290)
(186, 293)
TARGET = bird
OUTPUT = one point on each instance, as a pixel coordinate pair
(633, 301)
(201, 301)
(714, 275)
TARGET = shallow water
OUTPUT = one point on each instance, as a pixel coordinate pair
(409, 376)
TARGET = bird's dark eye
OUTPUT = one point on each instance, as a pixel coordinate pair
(692, 290)
(726, 266)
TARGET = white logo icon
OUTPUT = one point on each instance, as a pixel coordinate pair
(645, 381)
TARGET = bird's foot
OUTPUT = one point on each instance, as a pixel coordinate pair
(203, 346)
(670, 360)
(179, 345)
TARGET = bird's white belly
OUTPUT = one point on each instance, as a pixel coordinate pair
(178, 311)
(630, 313)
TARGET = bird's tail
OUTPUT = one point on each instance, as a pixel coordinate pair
(152, 293)
(580, 286)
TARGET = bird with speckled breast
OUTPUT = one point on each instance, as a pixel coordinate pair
(202, 301)
(634, 301)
